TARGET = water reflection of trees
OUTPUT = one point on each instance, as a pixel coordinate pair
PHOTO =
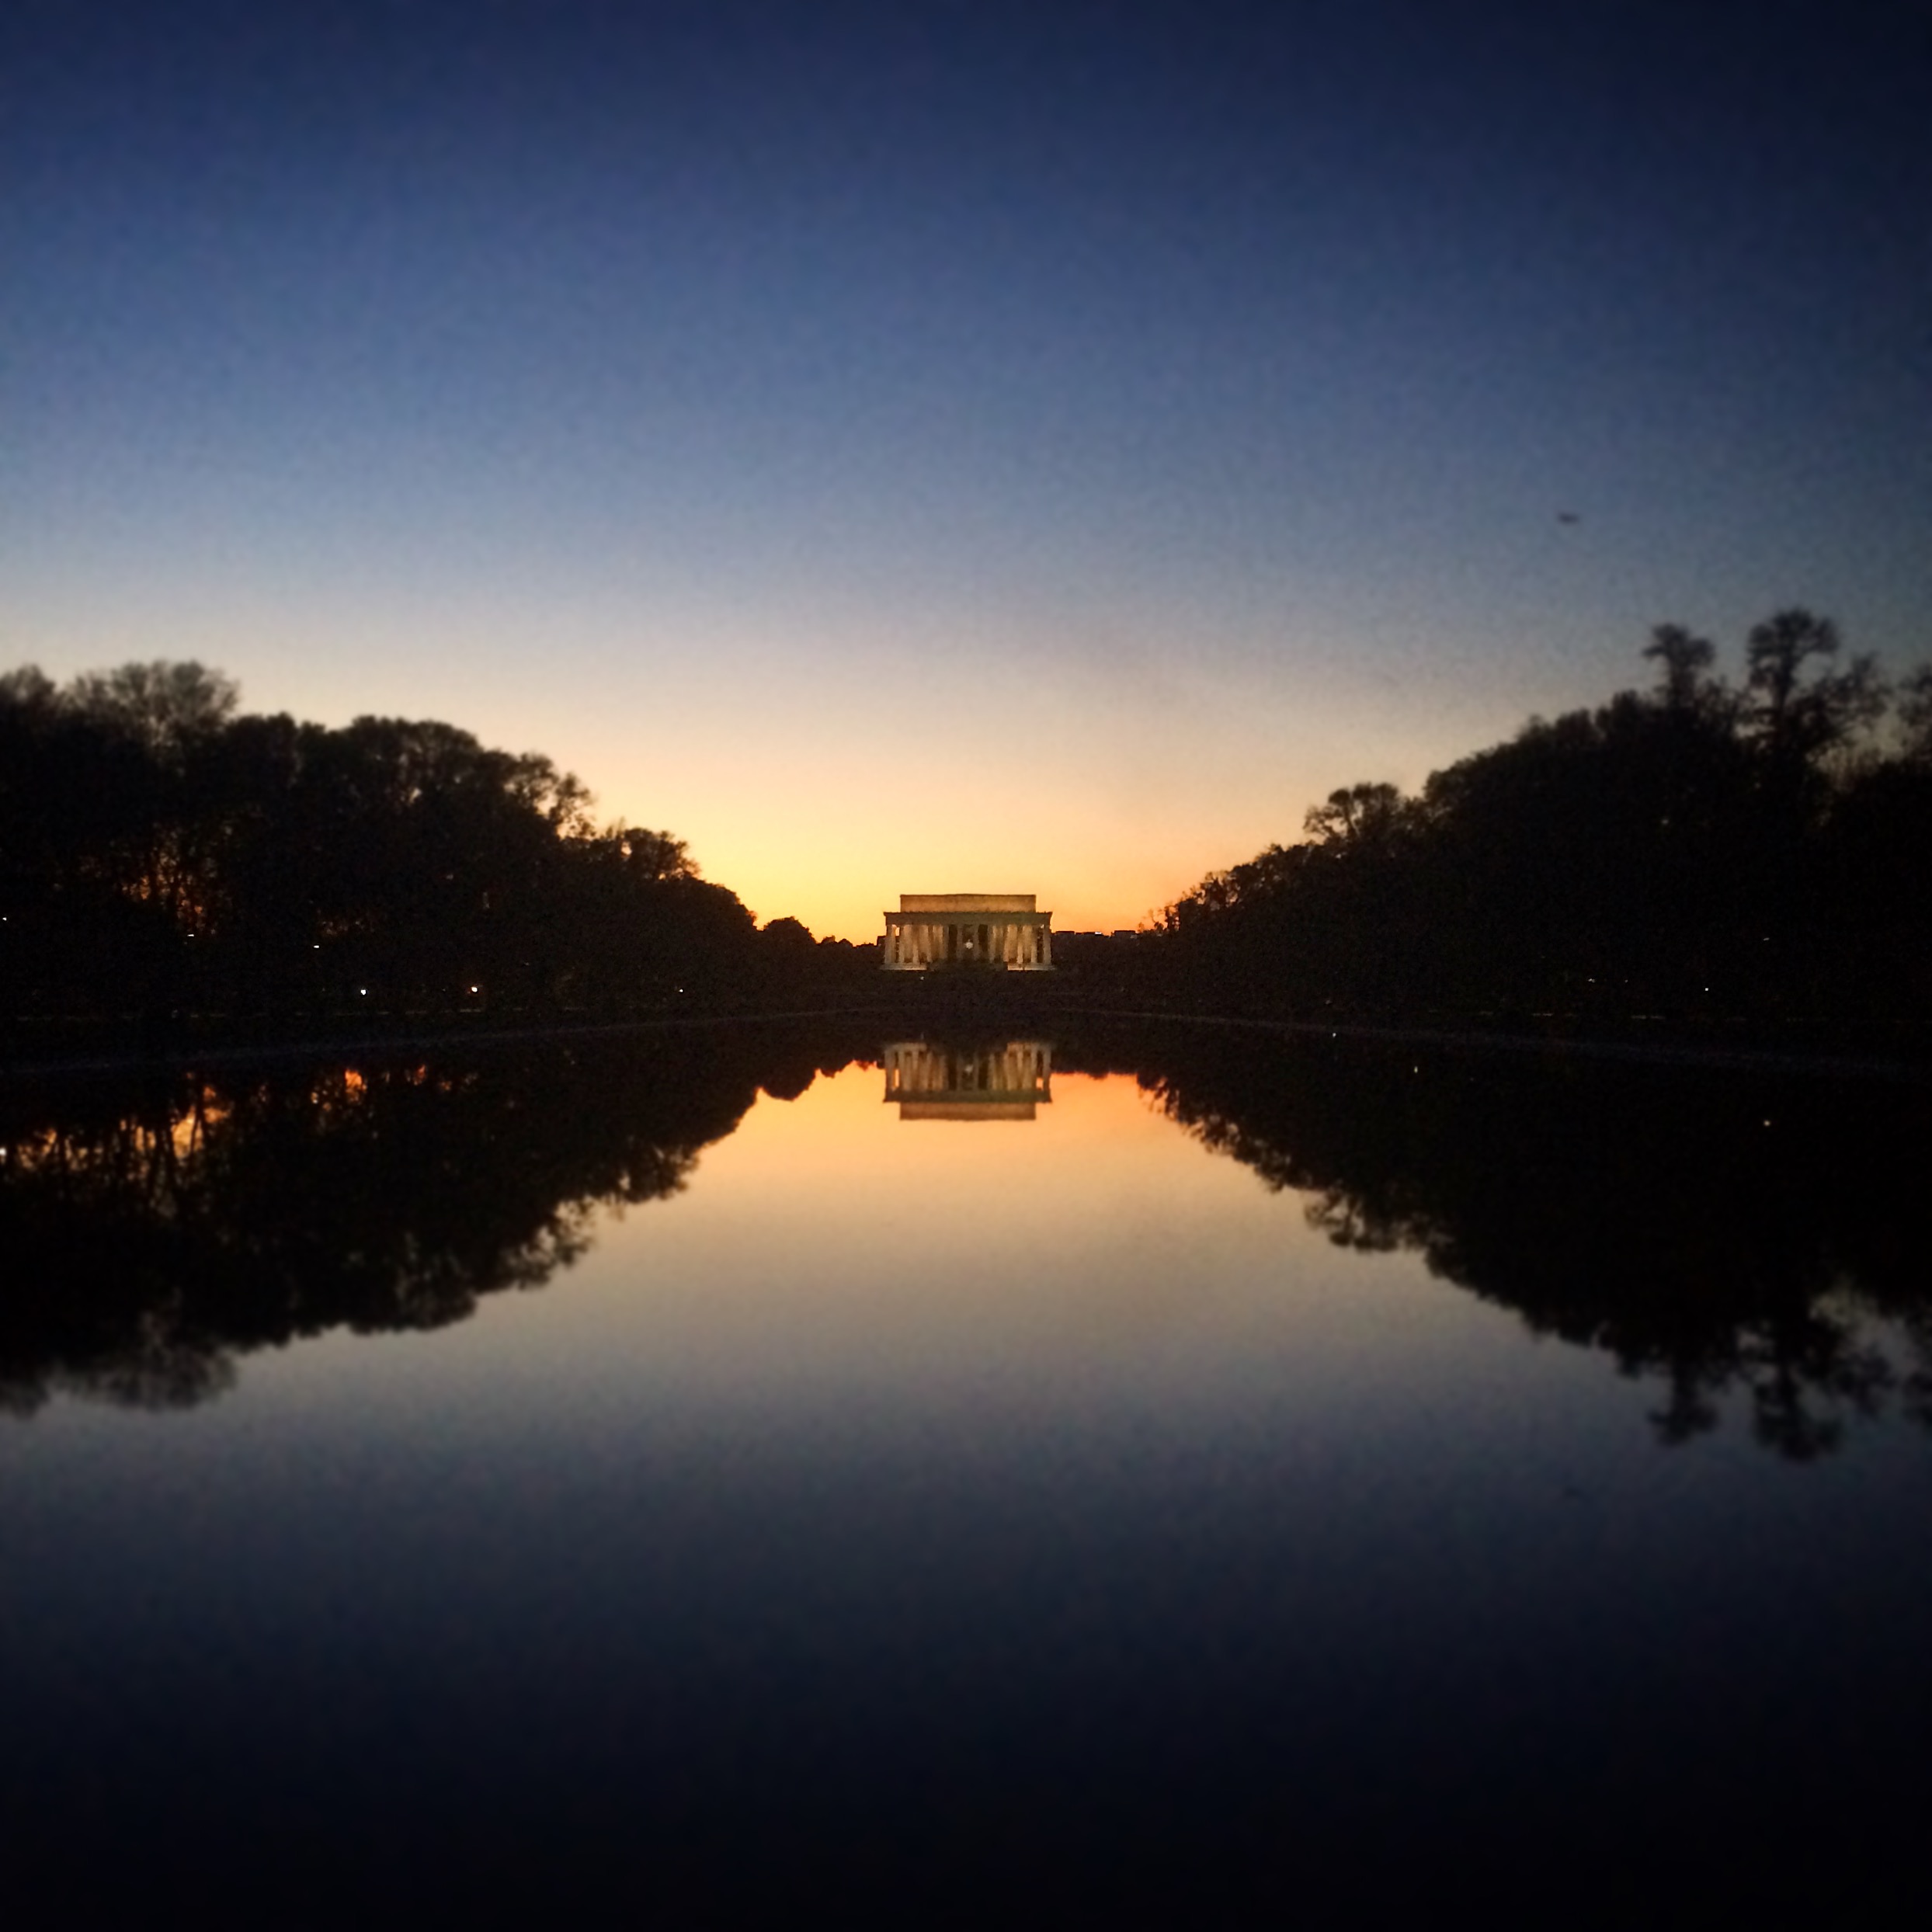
(1729, 1236)
(153, 1233)
(1733, 1237)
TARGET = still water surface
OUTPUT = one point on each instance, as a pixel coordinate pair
(1092, 1467)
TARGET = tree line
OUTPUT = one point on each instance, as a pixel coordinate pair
(1702, 849)
(162, 853)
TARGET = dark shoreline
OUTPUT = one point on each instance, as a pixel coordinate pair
(79, 1049)
(1688, 1049)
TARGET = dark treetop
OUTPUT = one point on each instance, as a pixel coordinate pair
(1703, 850)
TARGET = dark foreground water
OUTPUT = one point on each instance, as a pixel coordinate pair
(990, 1478)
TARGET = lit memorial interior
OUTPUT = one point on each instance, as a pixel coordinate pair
(999, 930)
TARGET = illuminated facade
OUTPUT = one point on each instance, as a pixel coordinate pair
(998, 930)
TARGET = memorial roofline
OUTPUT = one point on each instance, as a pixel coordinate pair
(967, 901)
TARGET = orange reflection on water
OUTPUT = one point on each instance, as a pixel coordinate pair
(826, 1263)
(825, 1244)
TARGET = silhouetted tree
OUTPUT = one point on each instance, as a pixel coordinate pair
(1686, 683)
(158, 852)
(1356, 816)
(1696, 851)
(164, 707)
(1794, 716)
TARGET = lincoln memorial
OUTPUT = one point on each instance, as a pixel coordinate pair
(997, 930)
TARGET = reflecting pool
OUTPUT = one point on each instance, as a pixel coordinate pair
(745, 1464)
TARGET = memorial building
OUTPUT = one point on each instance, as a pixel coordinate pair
(936, 930)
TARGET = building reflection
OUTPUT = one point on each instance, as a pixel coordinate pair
(988, 1083)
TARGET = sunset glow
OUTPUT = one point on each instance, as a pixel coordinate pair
(878, 445)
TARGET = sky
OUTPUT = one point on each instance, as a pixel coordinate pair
(933, 447)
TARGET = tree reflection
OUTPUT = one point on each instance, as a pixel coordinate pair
(1735, 1239)
(1728, 1234)
(154, 1235)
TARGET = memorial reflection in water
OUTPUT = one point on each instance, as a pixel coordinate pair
(997, 1083)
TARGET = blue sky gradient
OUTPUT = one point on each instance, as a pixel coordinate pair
(945, 447)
